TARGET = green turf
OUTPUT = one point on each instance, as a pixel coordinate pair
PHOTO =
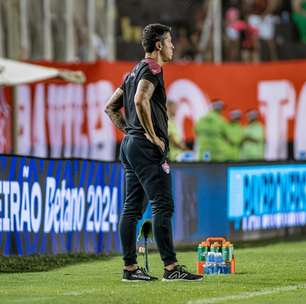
(262, 268)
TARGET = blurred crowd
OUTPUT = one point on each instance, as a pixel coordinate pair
(253, 30)
(219, 138)
(81, 30)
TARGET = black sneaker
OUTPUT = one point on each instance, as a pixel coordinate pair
(179, 273)
(138, 275)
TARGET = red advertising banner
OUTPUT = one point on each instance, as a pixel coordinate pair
(60, 119)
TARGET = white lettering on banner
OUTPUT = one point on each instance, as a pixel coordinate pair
(25, 202)
(68, 212)
(273, 221)
(39, 127)
(79, 139)
(79, 210)
(56, 118)
(50, 191)
(25, 171)
(21, 207)
(100, 129)
(113, 215)
(68, 115)
(23, 98)
(65, 207)
(36, 207)
(91, 203)
(77, 125)
(6, 192)
(63, 204)
(15, 205)
(25, 208)
(300, 127)
(98, 209)
(102, 209)
(191, 101)
(57, 207)
(106, 201)
(277, 104)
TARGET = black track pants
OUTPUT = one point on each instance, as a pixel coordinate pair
(145, 177)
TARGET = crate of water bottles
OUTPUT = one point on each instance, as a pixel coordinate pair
(215, 256)
(215, 264)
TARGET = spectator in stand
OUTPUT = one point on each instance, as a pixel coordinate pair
(299, 17)
(267, 34)
(264, 22)
(249, 36)
(233, 28)
(249, 44)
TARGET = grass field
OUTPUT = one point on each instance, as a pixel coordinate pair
(269, 274)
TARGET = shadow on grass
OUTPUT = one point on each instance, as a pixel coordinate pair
(37, 263)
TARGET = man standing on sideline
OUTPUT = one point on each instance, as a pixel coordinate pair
(143, 154)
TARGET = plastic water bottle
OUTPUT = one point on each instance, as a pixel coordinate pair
(208, 268)
(211, 257)
(210, 262)
(219, 257)
(222, 268)
(216, 268)
(215, 263)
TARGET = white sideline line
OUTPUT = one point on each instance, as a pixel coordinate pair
(33, 299)
(42, 298)
(249, 294)
(78, 293)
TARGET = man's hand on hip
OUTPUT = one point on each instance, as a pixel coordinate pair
(156, 141)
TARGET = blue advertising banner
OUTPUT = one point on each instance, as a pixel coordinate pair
(267, 197)
(200, 201)
(58, 206)
(199, 193)
(52, 206)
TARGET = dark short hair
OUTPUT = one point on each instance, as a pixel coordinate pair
(153, 33)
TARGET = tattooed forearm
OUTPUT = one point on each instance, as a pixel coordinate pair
(142, 98)
(113, 109)
(118, 120)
